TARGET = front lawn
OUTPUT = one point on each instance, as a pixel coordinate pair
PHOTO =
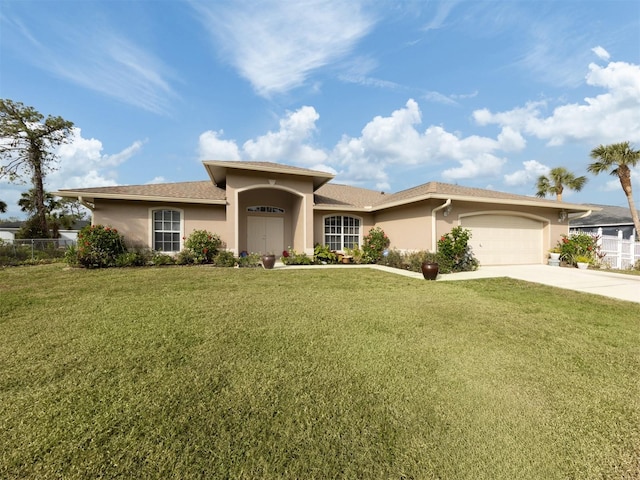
(201, 372)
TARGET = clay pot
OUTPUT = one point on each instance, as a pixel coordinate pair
(268, 261)
(429, 270)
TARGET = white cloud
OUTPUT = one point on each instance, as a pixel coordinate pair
(289, 144)
(97, 58)
(527, 176)
(384, 143)
(276, 45)
(82, 163)
(212, 147)
(601, 53)
(482, 165)
(610, 117)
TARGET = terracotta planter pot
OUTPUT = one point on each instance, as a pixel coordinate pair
(268, 261)
(430, 270)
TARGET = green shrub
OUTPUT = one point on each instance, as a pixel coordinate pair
(224, 258)
(454, 252)
(128, 259)
(185, 257)
(251, 260)
(407, 260)
(71, 256)
(373, 244)
(294, 258)
(323, 254)
(99, 246)
(159, 258)
(203, 245)
(355, 253)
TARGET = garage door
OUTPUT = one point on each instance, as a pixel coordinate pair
(505, 239)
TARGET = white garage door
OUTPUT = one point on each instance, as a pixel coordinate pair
(505, 239)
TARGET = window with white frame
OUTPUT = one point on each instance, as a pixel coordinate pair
(166, 230)
(341, 232)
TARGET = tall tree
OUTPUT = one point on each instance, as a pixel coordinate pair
(27, 145)
(617, 159)
(556, 181)
(3, 207)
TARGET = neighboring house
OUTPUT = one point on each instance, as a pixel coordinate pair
(8, 231)
(609, 218)
(268, 207)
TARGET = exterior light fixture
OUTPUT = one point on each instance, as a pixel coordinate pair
(562, 216)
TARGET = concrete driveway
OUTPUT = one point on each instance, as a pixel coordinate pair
(614, 285)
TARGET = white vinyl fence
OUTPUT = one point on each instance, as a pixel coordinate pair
(619, 253)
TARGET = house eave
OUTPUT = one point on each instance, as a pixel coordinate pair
(569, 207)
(91, 197)
(342, 208)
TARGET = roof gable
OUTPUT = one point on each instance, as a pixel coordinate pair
(218, 169)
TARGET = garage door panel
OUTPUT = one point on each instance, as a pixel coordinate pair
(505, 239)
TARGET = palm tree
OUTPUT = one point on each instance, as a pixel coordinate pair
(555, 182)
(617, 159)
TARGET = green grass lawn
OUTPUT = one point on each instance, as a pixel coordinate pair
(198, 372)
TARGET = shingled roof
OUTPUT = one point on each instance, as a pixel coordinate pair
(197, 192)
(327, 195)
(336, 195)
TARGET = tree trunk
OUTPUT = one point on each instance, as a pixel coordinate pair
(625, 180)
(38, 183)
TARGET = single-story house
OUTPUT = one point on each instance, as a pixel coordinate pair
(268, 207)
(9, 229)
(609, 218)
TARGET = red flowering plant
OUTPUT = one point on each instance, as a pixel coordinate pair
(99, 246)
(203, 246)
(373, 245)
(580, 245)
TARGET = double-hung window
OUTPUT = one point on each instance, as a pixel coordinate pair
(166, 230)
(341, 232)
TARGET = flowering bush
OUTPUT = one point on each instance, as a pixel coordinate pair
(203, 246)
(99, 246)
(454, 252)
(373, 245)
(295, 258)
(579, 245)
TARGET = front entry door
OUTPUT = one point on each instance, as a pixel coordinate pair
(265, 234)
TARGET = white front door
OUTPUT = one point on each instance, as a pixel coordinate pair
(265, 234)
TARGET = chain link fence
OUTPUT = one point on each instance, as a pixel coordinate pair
(17, 252)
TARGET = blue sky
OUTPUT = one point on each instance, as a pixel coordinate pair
(385, 94)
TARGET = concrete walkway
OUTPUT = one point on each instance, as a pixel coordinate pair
(608, 284)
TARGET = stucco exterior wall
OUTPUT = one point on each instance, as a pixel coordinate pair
(293, 194)
(409, 226)
(133, 219)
